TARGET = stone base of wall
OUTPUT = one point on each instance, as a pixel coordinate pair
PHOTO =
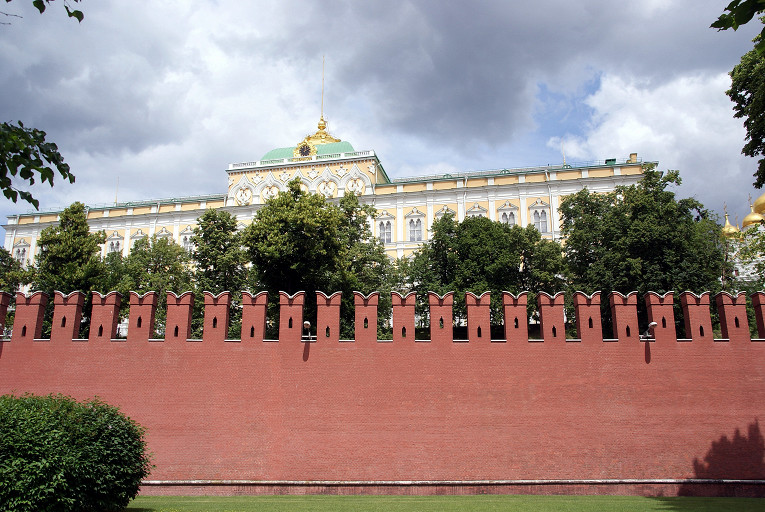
(624, 487)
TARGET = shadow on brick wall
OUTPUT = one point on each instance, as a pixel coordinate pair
(741, 457)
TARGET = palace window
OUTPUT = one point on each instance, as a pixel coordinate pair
(415, 230)
(21, 255)
(113, 247)
(507, 218)
(385, 231)
(186, 243)
(540, 220)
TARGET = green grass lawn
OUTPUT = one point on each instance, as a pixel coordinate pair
(440, 503)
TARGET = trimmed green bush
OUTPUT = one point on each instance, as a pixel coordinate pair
(57, 454)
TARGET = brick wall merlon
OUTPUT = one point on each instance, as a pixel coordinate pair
(5, 301)
(734, 323)
(441, 317)
(624, 316)
(216, 316)
(254, 312)
(67, 316)
(697, 316)
(514, 308)
(660, 310)
(552, 316)
(291, 317)
(366, 316)
(179, 311)
(143, 310)
(328, 317)
(479, 316)
(589, 327)
(403, 316)
(30, 311)
(105, 316)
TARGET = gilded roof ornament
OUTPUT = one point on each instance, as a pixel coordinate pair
(753, 218)
(729, 230)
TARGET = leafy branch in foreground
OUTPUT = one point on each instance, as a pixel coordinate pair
(741, 12)
(25, 155)
(41, 5)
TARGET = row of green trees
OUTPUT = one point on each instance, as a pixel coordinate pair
(639, 238)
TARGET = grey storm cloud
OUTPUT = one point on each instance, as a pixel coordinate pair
(201, 84)
(470, 70)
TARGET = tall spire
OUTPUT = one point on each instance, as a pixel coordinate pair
(322, 122)
(307, 147)
(322, 86)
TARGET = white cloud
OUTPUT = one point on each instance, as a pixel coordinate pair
(165, 95)
(686, 123)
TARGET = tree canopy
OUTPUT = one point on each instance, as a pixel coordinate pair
(156, 264)
(741, 12)
(294, 242)
(218, 254)
(301, 242)
(479, 255)
(12, 275)
(69, 258)
(747, 92)
(641, 238)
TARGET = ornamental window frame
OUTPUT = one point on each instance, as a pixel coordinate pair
(385, 222)
(185, 239)
(445, 210)
(114, 243)
(415, 223)
(163, 233)
(138, 235)
(476, 211)
(539, 216)
(21, 252)
(507, 214)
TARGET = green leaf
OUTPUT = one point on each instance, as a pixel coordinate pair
(40, 5)
(74, 14)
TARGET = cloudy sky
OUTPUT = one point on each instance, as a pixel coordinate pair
(162, 96)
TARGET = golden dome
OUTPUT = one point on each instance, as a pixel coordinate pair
(759, 204)
(729, 230)
(752, 218)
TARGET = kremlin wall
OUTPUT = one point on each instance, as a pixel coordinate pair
(641, 413)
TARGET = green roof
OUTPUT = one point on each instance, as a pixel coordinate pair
(321, 149)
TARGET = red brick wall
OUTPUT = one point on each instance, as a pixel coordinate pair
(421, 411)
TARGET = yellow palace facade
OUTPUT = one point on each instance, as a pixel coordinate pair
(406, 207)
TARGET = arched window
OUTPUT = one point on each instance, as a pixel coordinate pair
(508, 218)
(385, 231)
(186, 243)
(540, 220)
(415, 230)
